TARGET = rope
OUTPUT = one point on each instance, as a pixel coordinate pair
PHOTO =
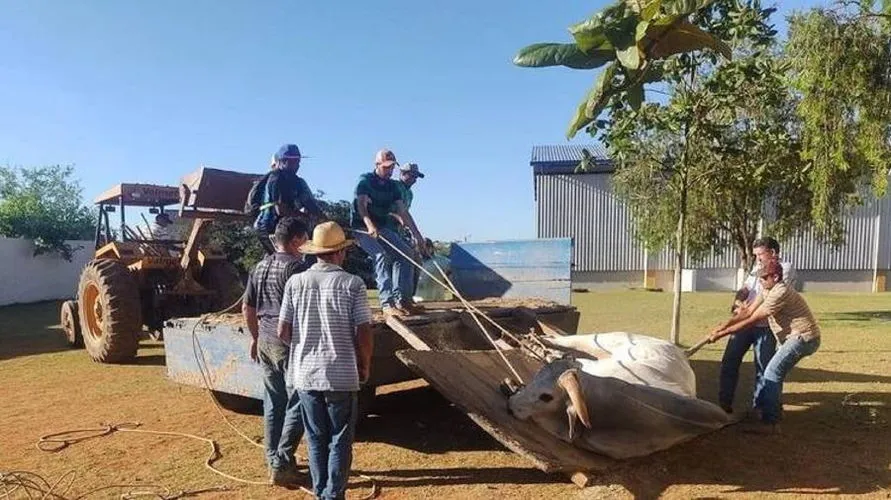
(470, 307)
(34, 485)
(208, 384)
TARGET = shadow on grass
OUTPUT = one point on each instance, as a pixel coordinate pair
(859, 316)
(29, 329)
(421, 419)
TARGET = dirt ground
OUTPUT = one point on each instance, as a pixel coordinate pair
(836, 435)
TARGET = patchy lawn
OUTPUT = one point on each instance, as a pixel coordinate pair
(836, 436)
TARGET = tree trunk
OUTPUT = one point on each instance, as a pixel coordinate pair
(678, 268)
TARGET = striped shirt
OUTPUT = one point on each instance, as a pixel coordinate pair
(324, 305)
(266, 286)
(789, 314)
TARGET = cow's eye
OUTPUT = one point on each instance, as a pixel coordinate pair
(547, 398)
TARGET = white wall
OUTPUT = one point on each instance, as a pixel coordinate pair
(25, 278)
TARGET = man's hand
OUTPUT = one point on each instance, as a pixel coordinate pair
(254, 356)
(372, 229)
(716, 335)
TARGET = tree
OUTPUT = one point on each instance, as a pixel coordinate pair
(841, 66)
(44, 204)
(629, 37)
(637, 37)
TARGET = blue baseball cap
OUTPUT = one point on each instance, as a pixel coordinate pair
(287, 152)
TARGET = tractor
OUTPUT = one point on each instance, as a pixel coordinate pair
(135, 281)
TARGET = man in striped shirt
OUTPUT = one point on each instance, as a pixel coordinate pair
(261, 307)
(796, 331)
(326, 319)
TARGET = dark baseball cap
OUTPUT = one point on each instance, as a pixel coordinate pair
(411, 168)
(288, 152)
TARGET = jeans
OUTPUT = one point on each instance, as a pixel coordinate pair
(787, 356)
(764, 345)
(282, 422)
(330, 418)
(393, 273)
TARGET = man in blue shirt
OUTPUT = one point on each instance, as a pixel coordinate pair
(285, 193)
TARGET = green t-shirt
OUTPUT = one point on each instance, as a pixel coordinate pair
(407, 195)
(384, 194)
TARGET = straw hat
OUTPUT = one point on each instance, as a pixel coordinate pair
(327, 237)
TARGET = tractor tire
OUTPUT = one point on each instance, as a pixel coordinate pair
(110, 311)
(222, 277)
(70, 321)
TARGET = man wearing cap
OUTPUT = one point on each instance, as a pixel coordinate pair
(285, 193)
(376, 196)
(796, 331)
(408, 176)
(327, 322)
(261, 308)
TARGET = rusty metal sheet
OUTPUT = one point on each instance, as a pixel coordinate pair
(226, 351)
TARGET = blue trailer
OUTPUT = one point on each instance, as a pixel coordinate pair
(520, 284)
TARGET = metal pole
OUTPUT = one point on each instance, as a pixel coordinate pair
(875, 255)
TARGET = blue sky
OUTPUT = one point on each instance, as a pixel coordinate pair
(146, 91)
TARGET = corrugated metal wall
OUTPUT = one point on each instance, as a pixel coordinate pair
(584, 207)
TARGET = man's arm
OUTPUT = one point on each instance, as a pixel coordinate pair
(308, 201)
(362, 202)
(286, 314)
(361, 317)
(759, 314)
(410, 223)
(364, 350)
(249, 313)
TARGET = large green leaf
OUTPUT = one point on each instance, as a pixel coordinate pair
(629, 57)
(561, 54)
(589, 34)
(594, 102)
(683, 7)
(636, 96)
(682, 36)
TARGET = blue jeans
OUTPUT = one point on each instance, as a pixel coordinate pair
(764, 345)
(282, 423)
(787, 356)
(330, 418)
(393, 273)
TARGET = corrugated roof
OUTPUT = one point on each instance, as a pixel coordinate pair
(564, 158)
(565, 153)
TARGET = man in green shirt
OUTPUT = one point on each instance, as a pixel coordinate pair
(376, 196)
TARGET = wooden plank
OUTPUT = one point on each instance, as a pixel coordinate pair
(471, 380)
(518, 268)
(406, 333)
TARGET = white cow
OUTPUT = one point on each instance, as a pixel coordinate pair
(623, 395)
(636, 359)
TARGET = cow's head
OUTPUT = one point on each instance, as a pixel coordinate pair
(553, 397)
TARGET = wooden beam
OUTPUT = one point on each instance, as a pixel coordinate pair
(190, 252)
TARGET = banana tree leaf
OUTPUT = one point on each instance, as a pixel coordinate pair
(561, 54)
(594, 102)
(589, 34)
(682, 36)
(629, 57)
(683, 7)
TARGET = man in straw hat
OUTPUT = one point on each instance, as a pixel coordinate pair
(377, 195)
(327, 322)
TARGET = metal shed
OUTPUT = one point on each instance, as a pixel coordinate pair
(584, 207)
